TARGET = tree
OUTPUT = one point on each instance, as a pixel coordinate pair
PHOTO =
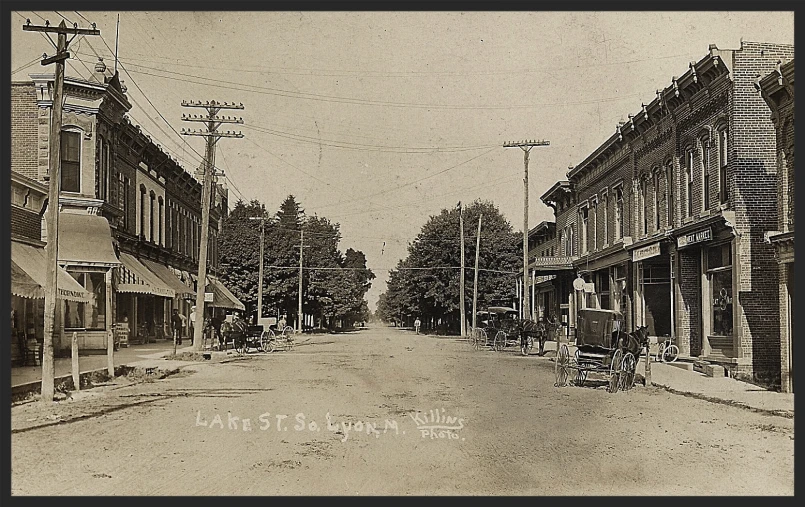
(239, 248)
(426, 283)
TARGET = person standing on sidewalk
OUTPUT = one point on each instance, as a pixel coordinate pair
(177, 325)
(417, 323)
(192, 323)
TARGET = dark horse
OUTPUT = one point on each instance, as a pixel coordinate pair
(633, 342)
(537, 331)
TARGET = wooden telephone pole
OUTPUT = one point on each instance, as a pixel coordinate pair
(462, 302)
(301, 247)
(526, 147)
(475, 284)
(212, 122)
(54, 175)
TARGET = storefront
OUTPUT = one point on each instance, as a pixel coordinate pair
(652, 266)
(28, 282)
(144, 301)
(706, 282)
(87, 254)
(605, 276)
(181, 291)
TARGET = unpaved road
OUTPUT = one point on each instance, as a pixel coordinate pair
(519, 435)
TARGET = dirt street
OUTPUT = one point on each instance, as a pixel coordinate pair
(359, 421)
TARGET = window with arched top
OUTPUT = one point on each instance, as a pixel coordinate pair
(618, 196)
(151, 217)
(704, 146)
(161, 206)
(142, 210)
(722, 138)
(71, 160)
(656, 177)
(688, 183)
(669, 193)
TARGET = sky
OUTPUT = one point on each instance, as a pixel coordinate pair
(379, 120)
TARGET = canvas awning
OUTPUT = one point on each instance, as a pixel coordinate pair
(29, 275)
(165, 274)
(85, 240)
(223, 297)
(135, 277)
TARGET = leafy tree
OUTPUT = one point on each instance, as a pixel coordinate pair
(427, 282)
(239, 248)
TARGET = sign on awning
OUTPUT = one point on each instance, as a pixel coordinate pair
(694, 237)
(646, 252)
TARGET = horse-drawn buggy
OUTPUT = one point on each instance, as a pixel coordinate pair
(603, 347)
(500, 327)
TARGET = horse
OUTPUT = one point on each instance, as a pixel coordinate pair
(633, 342)
(537, 330)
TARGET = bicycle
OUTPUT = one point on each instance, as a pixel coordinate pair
(668, 352)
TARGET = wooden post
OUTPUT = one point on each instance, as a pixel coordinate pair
(648, 367)
(110, 334)
(76, 371)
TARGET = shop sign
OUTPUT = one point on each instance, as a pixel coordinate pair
(208, 297)
(694, 237)
(589, 288)
(646, 252)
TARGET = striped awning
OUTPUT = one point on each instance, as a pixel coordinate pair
(134, 277)
(29, 275)
(165, 274)
(223, 297)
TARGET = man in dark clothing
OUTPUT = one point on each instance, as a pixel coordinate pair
(177, 324)
(217, 321)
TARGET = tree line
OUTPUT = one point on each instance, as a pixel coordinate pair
(334, 284)
(426, 283)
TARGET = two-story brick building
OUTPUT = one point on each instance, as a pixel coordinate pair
(777, 89)
(130, 215)
(671, 211)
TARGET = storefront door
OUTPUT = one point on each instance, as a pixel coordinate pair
(657, 298)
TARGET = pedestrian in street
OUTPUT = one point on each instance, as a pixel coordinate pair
(192, 323)
(417, 323)
(177, 325)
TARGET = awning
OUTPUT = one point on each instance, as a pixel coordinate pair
(135, 277)
(222, 297)
(165, 274)
(85, 240)
(29, 275)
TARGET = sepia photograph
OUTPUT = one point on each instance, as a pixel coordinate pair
(399, 253)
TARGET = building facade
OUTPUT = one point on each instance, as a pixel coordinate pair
(670, 215)
(130, 215)
(777, 89)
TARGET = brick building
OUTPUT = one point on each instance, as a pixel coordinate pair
(670, 214)
(130, 215)
(777, 89)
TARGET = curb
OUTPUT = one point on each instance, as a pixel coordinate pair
(788, 414)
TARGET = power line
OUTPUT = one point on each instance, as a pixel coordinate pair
(82, 17)
(351, 100)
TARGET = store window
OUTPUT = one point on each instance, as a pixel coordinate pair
(90, 316)
(719, 273)
(602, 284)
(70, 161)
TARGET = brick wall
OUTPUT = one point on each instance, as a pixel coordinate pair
(24, 130)
(689, 319)
(753, 160)
(26, 223)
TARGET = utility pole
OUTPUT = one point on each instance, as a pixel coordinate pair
(462, 303)
(301, 247)
(260, 276)
(475, 284)
(54, 183)
(526, 147)
(212, 122)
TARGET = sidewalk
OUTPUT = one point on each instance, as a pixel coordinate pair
(63, 365)
(719, 390)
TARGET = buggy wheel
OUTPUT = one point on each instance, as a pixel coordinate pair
(562, 365)
(614, 371)
(480, 339)
(628, 367)
(670, 354)
(500, 341)
(581, 372)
